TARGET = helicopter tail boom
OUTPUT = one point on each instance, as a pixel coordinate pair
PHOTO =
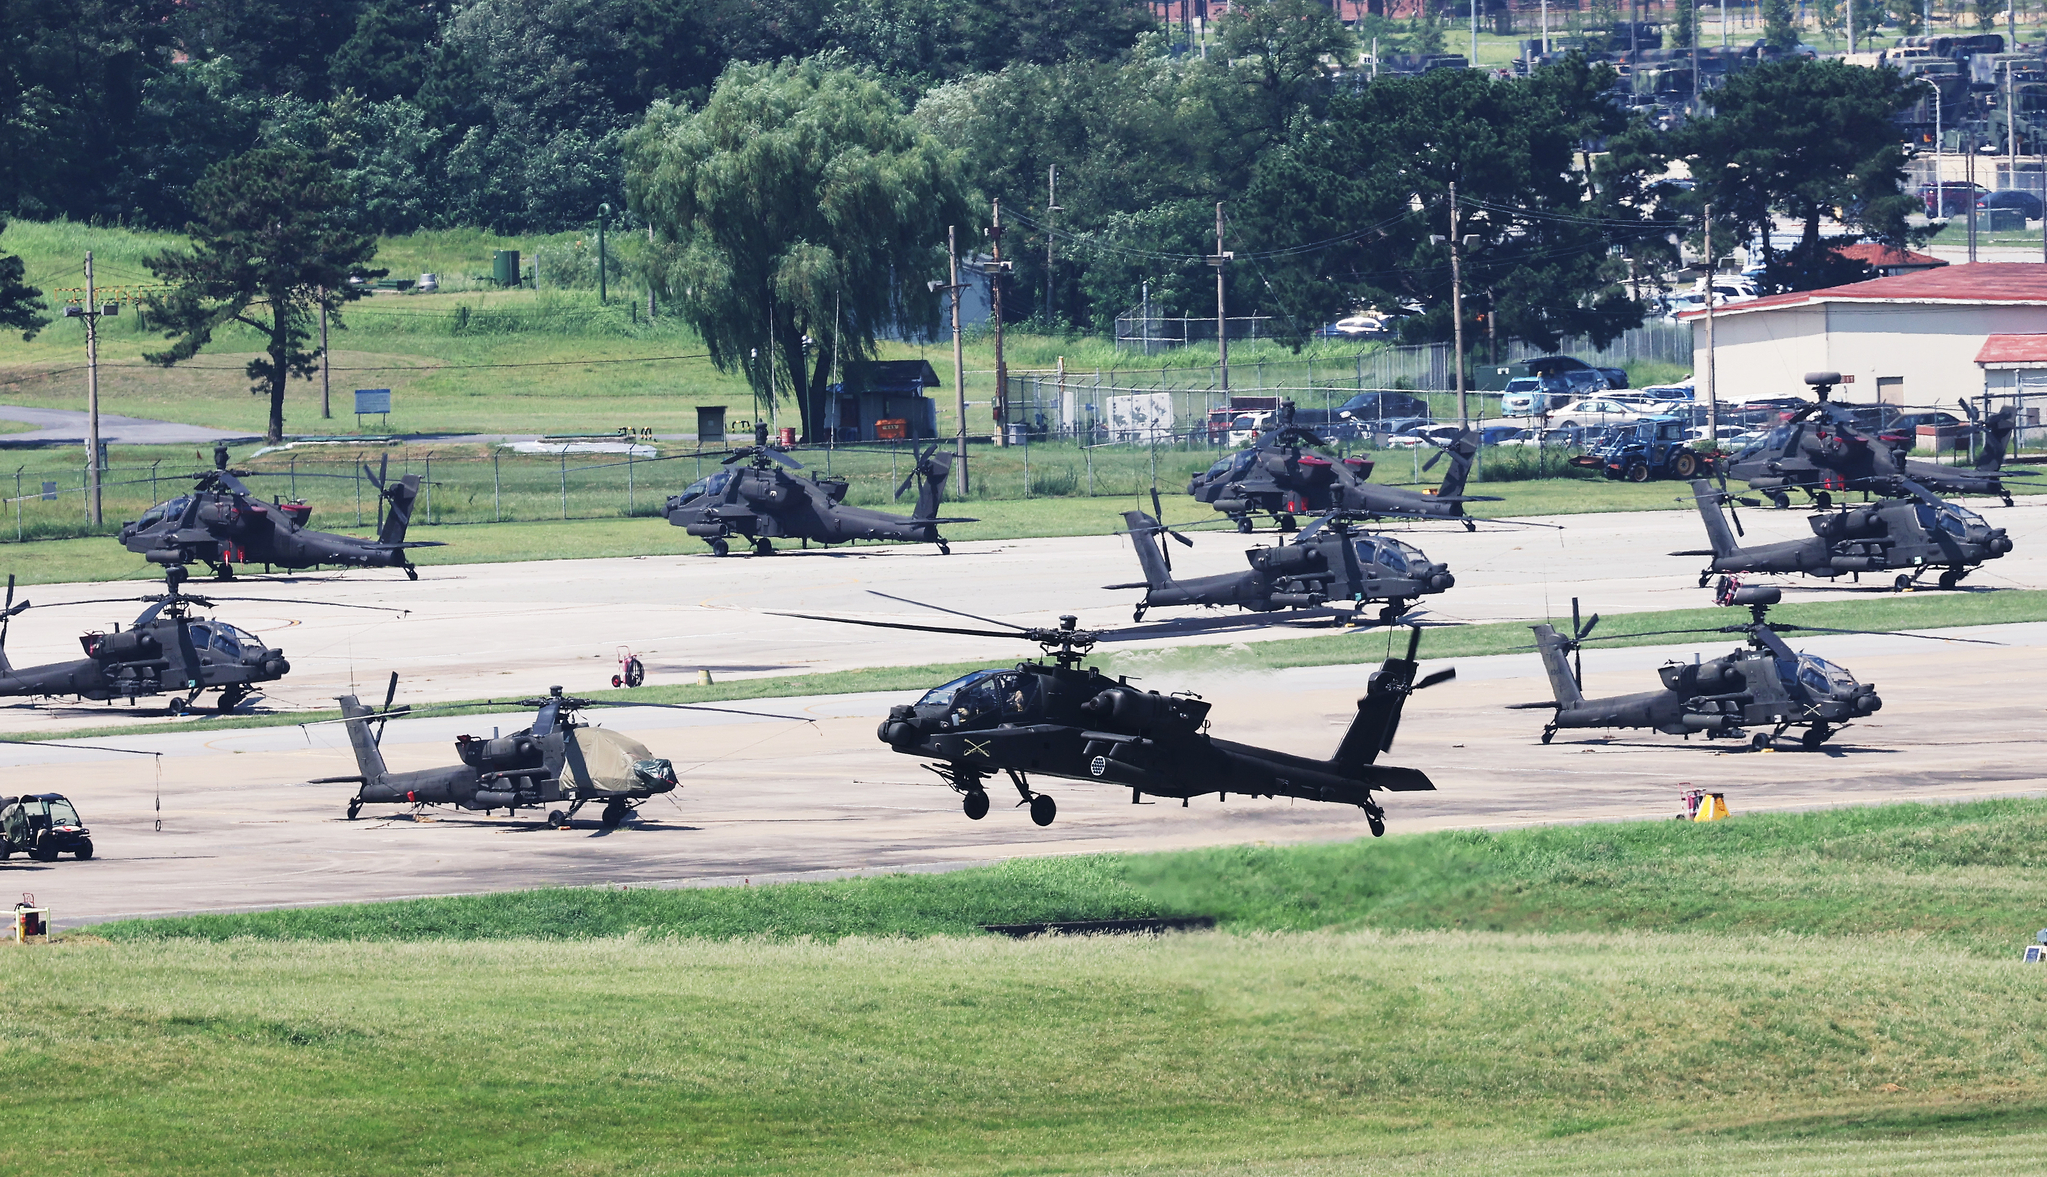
(367, 756)
(1998, 430)
(1718, 533)
(1143, 537)
(932, 473)
(1463, 450)
(402, 494)
(1378, 718)
(1550, 644)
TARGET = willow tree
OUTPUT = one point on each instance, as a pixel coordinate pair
(800, 205)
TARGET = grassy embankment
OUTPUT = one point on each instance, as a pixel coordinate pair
(1790, 993)
(1337, 648)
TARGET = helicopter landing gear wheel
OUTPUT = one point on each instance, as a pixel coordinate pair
(1815, 736)
(1761, 741)
(719, 547)
(1471, 525)
(1375, 817)
(761, 547)
(354, 807)
(975, 804)
(556, 819)
(1244, 525)
(614, 813)
(944, 549)
(230, 698)
(1137, 614)
(411, 573)
(1950, 578)
(1392, 611)
(1778, 499)
(1549, 732)
(1902, 583)
(1043, 809)
(1823, 500)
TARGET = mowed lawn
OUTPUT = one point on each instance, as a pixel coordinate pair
(1789, 993)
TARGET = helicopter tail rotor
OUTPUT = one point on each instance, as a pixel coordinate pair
(929, 473)
(7, 613)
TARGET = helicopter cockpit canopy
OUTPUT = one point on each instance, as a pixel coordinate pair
(1822, 679)
(984, 698)
(170, 510)
(1390, 554)
(1959, 522)
(713, 485)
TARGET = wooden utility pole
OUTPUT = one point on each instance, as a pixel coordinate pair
(995, 270)
(1222, 322)
(92, 389)
(959, 355)
(1457, 313)
(1712, 393)
(1051, 209)
(326, 393)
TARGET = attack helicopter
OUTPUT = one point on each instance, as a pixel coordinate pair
(166, 651)
(1822, 450)
(1327, 562)
(1767, 684)
(1917, 533)
(1282, 476)
(556, 759)
(223, 523)
(760, 502)
(1070, 721)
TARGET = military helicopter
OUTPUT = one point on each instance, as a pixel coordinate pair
(222, 523)
(1822, 450)
(1766, 684)
(1919, 533)
(1070, 721)
(555, 759)
(759, 502)
(166, 651)
(1326, 562)
(1282, 476)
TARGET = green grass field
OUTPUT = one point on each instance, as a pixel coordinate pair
(1813, 993)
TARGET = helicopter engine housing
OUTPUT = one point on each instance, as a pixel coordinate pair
(503, 754)
(1135, 710)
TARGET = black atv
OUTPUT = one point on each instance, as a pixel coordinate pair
(42, 826)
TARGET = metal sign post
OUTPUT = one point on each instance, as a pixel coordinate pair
(370, 401)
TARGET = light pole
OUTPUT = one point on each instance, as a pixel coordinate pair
(1222, 323)
(91, 312)
(995, 270)
(1939, 193)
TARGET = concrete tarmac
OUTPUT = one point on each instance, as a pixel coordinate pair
(767, 799)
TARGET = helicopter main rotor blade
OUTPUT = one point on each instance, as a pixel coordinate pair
(943, 609)
(1440, 676)
(1874, 633)
(971, 633)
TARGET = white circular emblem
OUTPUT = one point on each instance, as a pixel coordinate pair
(1098, 765)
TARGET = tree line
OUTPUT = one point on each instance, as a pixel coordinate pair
(800, 163)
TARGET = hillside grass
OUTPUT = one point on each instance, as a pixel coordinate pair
(1341, 646)
(1825, 992)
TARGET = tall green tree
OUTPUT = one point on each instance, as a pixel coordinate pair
(1289, 47)
(1780, 23)
(276, 239)
(21, 305)
(801, 201)
(1802, 139)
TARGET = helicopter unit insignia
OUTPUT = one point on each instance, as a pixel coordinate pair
(979, 748)
(1098, 765)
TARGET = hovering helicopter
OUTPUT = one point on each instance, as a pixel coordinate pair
(1283, 477)
(1766, 684)
(223, 523)
(166, 651)
(759, 502)
(1326, 562)
(1822, 450)
(1918, 533)
(1070, 721)
(555, 759)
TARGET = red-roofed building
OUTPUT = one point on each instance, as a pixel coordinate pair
(2016, 365)
(1888, 260)
(1911, 339)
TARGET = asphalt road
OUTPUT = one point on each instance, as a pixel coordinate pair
(70, 425)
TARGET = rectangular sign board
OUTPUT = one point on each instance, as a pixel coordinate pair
(372, 400)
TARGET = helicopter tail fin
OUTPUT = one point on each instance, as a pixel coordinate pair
(1378, 717)
(1997, 435)
(1144, 531)
(1718, 533)
(402, 494)
(932, 473)
(367, 756)
(1550, 644)
(1463, 450)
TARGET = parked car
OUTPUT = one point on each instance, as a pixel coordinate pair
(1598, 410)
(1726, 433)
(1902, 430)
(1424, 435)
(1532, 396)
(1395, 426)
(1247, 426)
(1505, 435)
(1355, 327)
(1671, 392)
(2017, 198)
(1367, 409)
(1953, 199)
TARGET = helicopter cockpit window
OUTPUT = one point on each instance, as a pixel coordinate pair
(713, 485)
(1241, 464)
(1222, 466)
(1000, 696)
(229, 640)
(1393, 555)
(202, 636)
(157, 514)
(1822, 677)
(942, 694)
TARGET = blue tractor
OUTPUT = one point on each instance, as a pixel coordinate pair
(1653, 447)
